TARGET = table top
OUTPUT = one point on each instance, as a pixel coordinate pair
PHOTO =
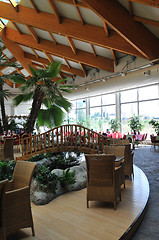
(118, 159)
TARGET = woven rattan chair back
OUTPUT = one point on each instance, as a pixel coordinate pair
(2, 226)
(101, 178)
(22, 174)
(118, 151)
(8, 149)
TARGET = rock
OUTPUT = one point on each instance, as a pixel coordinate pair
(44, 162)
(41, 195)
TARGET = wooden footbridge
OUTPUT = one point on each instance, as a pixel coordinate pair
(63, 138)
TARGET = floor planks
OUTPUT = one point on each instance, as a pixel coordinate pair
(67, 217)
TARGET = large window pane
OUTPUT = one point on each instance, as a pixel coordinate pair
(108, 113)
(149, 110)
(129, 96)
(81, 115)
(81, 103)
(108, 99)
(150, 92)
(95, 101)
(127, 111)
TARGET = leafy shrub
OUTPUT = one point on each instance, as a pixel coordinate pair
(155, 125)
(114, 124)
(67, 178)
(37, 157)
(135, 123)
(66, 160)
(6, 169)
(45, 178)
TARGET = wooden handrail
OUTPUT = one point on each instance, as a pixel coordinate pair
(63, 138)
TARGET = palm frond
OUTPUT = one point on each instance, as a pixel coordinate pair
(22, 98)
(53, 69)
(18, 78)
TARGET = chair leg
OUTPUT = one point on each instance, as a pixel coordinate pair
(87, 203)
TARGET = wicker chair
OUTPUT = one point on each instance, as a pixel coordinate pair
(17, 209)
(7, 151)
(102, 178)
(118, 151)
(2, 191)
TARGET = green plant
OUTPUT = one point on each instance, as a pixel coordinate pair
(114, 124)
(37, 157)
(155, 125)
(135, 123)
(6, 169)
(67, 178)
(45, 178)
(42, 90)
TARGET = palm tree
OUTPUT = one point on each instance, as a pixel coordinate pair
(4, 93)
(44, 92)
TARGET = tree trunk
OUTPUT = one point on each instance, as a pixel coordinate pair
(3, 113)
(36, 105)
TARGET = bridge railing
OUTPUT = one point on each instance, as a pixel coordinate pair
(63, 138)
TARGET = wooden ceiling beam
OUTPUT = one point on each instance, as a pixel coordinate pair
(16, 50)
(130, 8)
(83, 69)
(106, 29)
(35, 52)
(53, 39)
(28, 16)
(74, 71)
(79, 4)
(68, 65)
(93, 50)
(127, 28)
(114, 57)
(152, 3)
(78, 11)
(16, 27)
(34, 6)
(71, 44)
(48, 56)
(33, 33)
(54, 8)
(15, 7)
(61, 51)
(13, 60)
(146, 21)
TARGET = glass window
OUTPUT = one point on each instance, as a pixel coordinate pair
(127, 111)
(129, 96)
(95, 112)
(73, 104)
(81, 115)
(95, 101)
(149, 92)
(108, 99)
(108, 112)
(149, 109)
(81, 103)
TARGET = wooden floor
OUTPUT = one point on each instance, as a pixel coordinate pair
(67, 217)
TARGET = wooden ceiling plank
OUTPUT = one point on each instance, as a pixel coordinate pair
(130, 30)
(146, 21)
(48, 57)
(44, 61)
(38, 65)
(78, 11)
(114, 57)
(33, 33)
(54, 8)
(82, 67)
(71, 44)
(93, 50)
(34, 6)
(106, 29)
(130, 8)
(16, 50)
(152, 3)
(61, 75)
(7, 81)
(13, 60)
(61, 51)
(16, 27)
(53, 39)
(35, 52)
(28, 16)
(79, 4)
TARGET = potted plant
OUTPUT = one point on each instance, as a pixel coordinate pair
(135, 124)
(155, 125)
(114, 124)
